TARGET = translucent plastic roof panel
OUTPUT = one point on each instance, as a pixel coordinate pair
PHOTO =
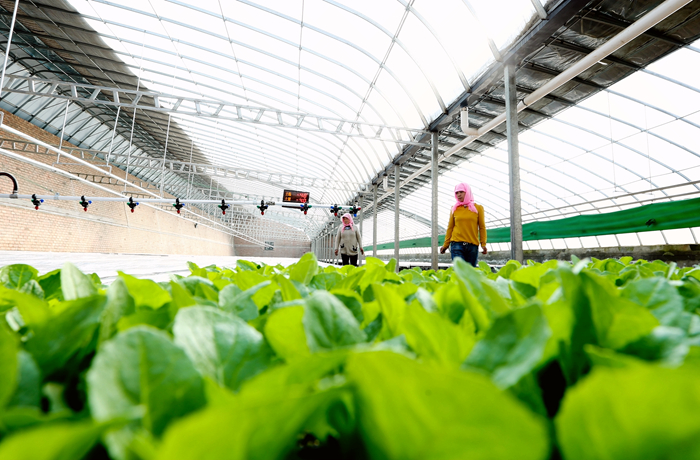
(621, 148)
(387, 62)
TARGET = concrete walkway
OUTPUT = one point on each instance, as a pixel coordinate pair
(154, 267)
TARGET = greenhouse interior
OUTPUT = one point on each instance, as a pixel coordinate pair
(350, 229)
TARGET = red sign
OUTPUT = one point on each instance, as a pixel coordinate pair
(293, 196)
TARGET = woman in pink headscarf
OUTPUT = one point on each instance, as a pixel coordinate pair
(348, 240)
(466, 229)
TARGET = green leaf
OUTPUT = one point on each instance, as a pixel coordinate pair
(351, 300)
(9, 365)
(373, 328)
(15, 276)
(51, 285)
(28, 392)
(644, 412)
(75, 284)
(32, 287)
(304, 270)
(240, 302)
(263, 421)
(146, 293)
(55, 441)
(57, 338)
(617, 321)
(181, 296)
(480, 295)
(533, 274)
(407, 410)
(435, 338)
(325, 280)
(204, 291)
(393, 308)
(190, 283)
(328, 323)
(221, 345)
(160, 319)
(141, 372)
(119, 305)
(246, 265)
(448, 300)
(284, 330)
(659, 296)
(513, 346)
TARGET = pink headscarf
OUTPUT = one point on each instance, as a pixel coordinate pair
(468, 198)
(352, 222)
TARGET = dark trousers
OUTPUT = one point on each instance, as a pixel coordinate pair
(467, 251)
(349, 260)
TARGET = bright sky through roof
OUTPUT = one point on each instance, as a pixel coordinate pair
(397, 63)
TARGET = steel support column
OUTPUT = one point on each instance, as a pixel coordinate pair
(374, 223)
(397, 194)
(516, 220)
(361, 256)
(434, 195)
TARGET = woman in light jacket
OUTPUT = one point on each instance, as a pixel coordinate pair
(348, 240)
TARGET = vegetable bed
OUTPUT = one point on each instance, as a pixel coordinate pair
(585, 360)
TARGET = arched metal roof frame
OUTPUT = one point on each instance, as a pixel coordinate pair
(326, 58)
(637, 152)
(309, 101)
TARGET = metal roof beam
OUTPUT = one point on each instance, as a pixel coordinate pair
(209, 108)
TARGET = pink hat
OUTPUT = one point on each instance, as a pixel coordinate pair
(352, 222)
(468, 198)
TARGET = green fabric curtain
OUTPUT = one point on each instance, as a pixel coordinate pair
(647, 218)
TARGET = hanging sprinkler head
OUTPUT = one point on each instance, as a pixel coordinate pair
(262, 207)
(177, 205)
(132, 204)
(84, 203)
(36, 202)
(223, 206)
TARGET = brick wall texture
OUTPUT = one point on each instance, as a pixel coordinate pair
(106, 227)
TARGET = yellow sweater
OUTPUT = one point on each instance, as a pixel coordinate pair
(466, 226)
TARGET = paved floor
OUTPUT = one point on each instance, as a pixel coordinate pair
(155, 267)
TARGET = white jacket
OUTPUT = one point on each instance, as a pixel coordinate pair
(349, 241)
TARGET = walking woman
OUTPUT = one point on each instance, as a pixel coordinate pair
(466, 228)
(348, 240)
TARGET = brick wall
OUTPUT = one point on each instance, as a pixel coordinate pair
(109, 227)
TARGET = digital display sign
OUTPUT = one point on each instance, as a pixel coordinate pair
(294, 196)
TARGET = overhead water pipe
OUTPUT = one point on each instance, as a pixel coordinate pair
(99, 187)
(79, 160)
(643, 24)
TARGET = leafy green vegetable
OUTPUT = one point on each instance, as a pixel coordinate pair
(8, 364)
(75, 284)
(328, 323)
(513, 346)
(589, 359)
(639, 411)
(220, 345)
(141, 374)
(56, 441)
(439, 413)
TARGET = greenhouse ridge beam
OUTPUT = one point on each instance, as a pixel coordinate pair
(203, 108)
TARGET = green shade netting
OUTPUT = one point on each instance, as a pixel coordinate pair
(647, 218)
